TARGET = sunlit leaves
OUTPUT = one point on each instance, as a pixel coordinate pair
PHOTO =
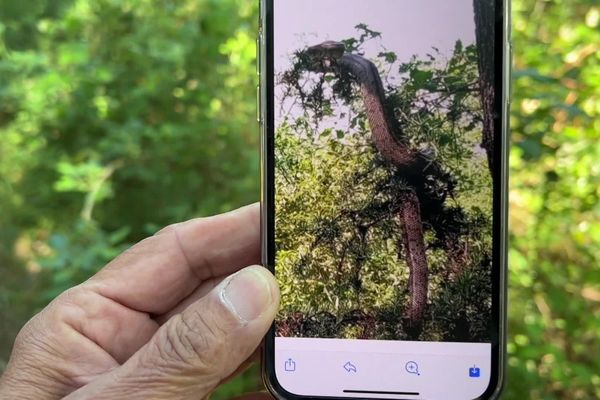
(555, 202)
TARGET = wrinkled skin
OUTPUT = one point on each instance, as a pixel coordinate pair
(171, 318)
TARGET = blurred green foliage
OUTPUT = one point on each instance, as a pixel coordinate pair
(555, 189)
(120, 116)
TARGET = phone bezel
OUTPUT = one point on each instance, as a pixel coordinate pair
(503, 51)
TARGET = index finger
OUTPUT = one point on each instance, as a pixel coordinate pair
(158, 272)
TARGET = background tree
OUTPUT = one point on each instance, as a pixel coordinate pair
(485, 32)
(555, 206)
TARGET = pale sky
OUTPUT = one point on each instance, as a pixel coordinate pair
(408, 27)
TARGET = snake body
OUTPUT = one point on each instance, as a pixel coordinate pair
(331, 57)
(371, 87)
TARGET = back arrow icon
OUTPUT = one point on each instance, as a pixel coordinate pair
(349, 367)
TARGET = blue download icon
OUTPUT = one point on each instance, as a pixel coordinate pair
(474, 372)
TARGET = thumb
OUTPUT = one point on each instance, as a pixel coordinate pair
(194, 351)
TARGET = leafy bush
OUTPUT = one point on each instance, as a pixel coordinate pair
(555, 208)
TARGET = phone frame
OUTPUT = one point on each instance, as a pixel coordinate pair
(265, 117)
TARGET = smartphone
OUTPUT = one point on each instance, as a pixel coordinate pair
(384, 199)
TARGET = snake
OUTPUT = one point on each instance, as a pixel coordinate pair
(387, 137)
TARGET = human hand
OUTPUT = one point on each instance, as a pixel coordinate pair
(164, 320)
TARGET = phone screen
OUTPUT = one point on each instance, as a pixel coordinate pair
(385, 197)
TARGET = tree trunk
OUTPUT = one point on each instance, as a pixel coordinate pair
(485, 36)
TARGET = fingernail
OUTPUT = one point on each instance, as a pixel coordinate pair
(248, 293)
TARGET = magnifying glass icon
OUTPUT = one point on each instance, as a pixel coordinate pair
(412, 368)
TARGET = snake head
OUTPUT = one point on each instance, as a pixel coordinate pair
(323, 57)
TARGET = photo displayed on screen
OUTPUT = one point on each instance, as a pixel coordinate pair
(383, 159)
